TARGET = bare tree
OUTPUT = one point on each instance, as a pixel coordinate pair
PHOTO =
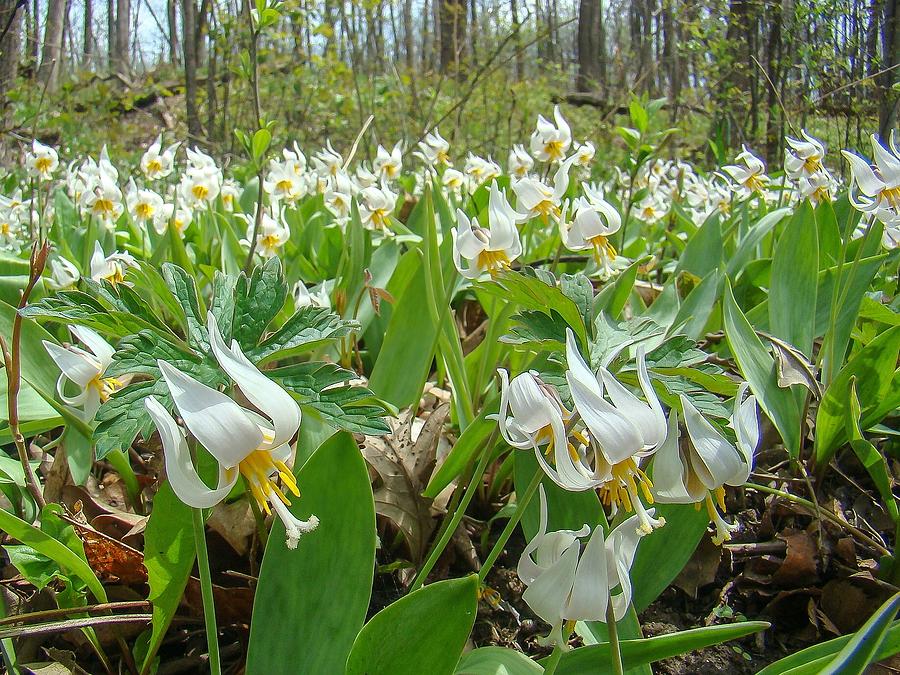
(11, 12)
(890, 41)
(172, 15)
(51, 55)
(453, 32)
(87, 49)
(122, 59)
(591, 46)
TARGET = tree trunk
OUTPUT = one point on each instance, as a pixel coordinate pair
(453, 32)
(87, 49)
(408, 38)
(517, 27)
(172, 15)
(773, 69)
(10, 46)
(51, 55)
(189, 27)
(890, 44)
(590, 47)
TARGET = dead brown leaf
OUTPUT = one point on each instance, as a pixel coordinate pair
(800, 566)
(236, 524)
(701, 569)
(112, 560)
(403, 467)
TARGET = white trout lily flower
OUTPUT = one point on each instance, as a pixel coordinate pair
(304, 297)
(622, 429)
(539, 199)
(243, 442)
(85, 368)
(111, 268)
(338, 197)
(376, 204)
(696, 468)
(283, 182)
(273, 232)
(434, 149)
(147, 207)
(200, 186)
(550, 142)
(103, 199)
(481, 170)
(328, 161)
(42, 161)
(803, 158)
(483, 250)
(567, 582)
(230, 193)
(879, 185)
(156, 163)
(584, 154)
(595, 221)
(454, 180)
(63, 274)
(751, 176)
(388, 164)
(519, 162)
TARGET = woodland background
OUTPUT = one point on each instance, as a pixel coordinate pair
(83, 73)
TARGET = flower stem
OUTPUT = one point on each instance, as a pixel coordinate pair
(457, 514)
(553, 660)
(521, 505)
(206, 591)
(614, 651)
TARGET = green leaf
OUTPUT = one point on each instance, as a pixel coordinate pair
(578, 288)
(184, 288)
(795, 272)
(69, 561)
(650, 650)
(222, 304)
(263, 137)
(123, 416)
(809, 660)
(662, 555)
(697, 307)
(308, 329)
(612, 299)
(746, 249)
(758, 368)
(858, 653)
(537, 330)
(462, 452)
(320, 591)
(257, 301)
(496, 661)
(873, 367)
(351, 408)
(423, 632)
(169, 555)
(77, 307)
(138, 355)
(526, 289)
(703, 252)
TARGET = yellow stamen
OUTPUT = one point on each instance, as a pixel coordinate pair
(200, 191)
(492, 261)
(261, 469)
(154, 166)
(43, 164)
(603, 250)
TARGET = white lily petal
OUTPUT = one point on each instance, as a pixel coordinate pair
(618, 438)
(262, 392)
(180, 469)
(213, 418)
(100, 347)
(590, 592)
(549, 594)
(527, 570)
(869, 184)
(669, 471)
(75, 363)
(719, 459)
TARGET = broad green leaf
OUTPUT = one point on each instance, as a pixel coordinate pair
(747, 247)
(124, 416)
(795, 271)
(649, 650)
(257, 301)
(423, 632)
(496, 661)
(697, 307)
(612, 299)
(308, 329)
(318, 593)
(703, 252)
(662, 555)
(462, 452)
(873, 367)
(169, 555)
(184, 288)
(758, 367)
(565, 510)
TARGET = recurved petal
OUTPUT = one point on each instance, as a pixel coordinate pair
(75, 363)
(100, 347)
(719, 459)
(180, 469)
(618, 438)
(745, 421)
(869, 184)
(278, 405)
(213, 418)
(527, 570)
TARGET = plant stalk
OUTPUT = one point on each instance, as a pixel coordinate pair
(615, 652)
(206, 591)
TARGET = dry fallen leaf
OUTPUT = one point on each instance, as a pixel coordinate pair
(404, 467)
(701, 569)
(112, 560)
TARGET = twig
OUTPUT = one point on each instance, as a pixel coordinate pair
(65, 611)
(805, 503)
(69, 624)
(13, 361)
